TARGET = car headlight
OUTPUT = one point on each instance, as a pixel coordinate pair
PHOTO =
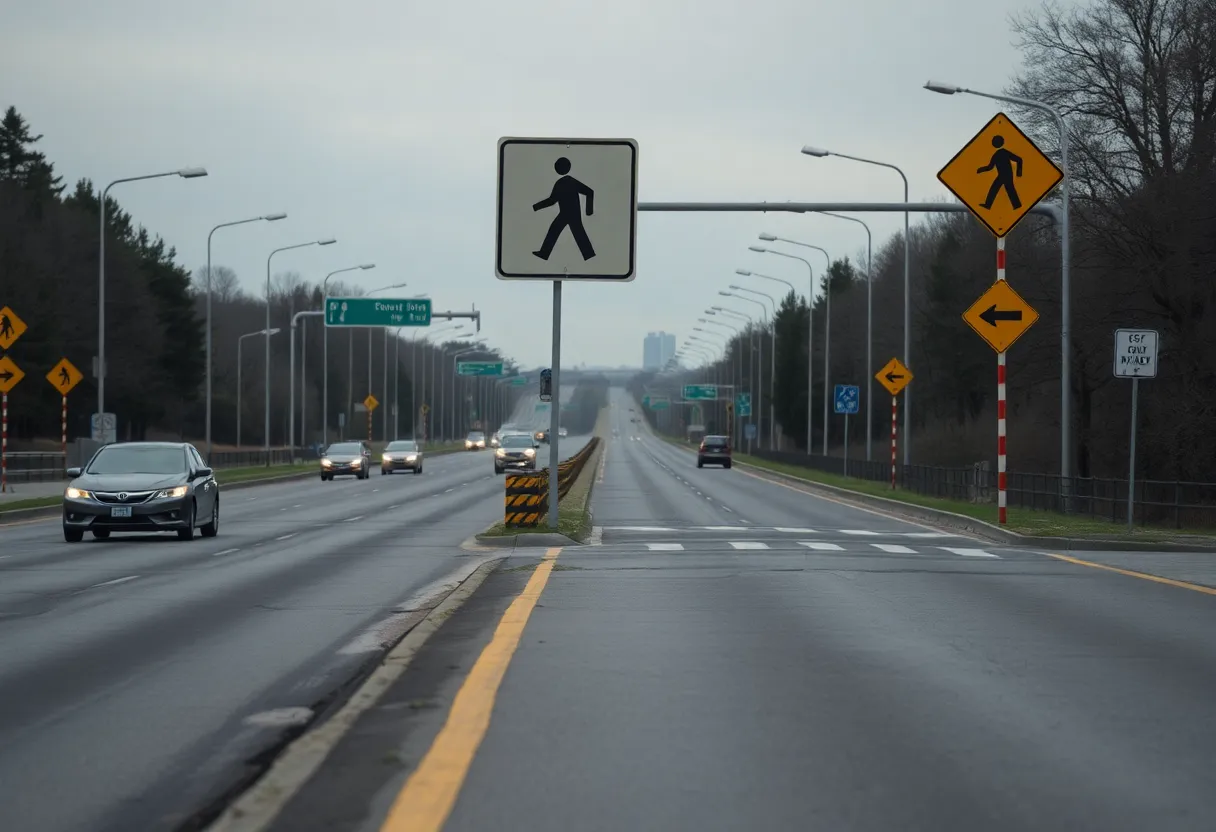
(412, 458)
(355, 463)
(386, 458)
(170, 493)
(529, 452)
(77, 494)
(325, 463)
(500, 452)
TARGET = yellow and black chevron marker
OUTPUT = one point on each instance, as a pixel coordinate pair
(527, 495)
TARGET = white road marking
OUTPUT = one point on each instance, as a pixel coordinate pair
(794, 531)
(728, 508)
(893, 549)
(352, 519)
(286, 536)
(374, 490)
(665, 547)
(748, 544)
(969, 553)
(928, 534)
(640, 529)
(866, 532)
(279, 717)
(114, 582)
(450, 490)
(298, 505)
(225, 552)
(390, 508)
(820, 547)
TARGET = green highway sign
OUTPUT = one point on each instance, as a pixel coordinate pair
(646, 401)
(743, 404)
(519, 381)
(478, 368)
(660, 404)
(701, 392)
(377, 312)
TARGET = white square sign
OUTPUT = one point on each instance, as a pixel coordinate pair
(567, 209)
(1135, 353)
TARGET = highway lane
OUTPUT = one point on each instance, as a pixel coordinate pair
(677, 680)
(140, 674)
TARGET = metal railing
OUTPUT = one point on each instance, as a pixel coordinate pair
(35, 466)
(1173, 504)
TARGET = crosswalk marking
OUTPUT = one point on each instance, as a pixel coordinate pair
(861, 532)
(665, 547)
(821, 547)
(794, 531)
(928, 534)
(748, 544)
(968, 553)
(893, 549)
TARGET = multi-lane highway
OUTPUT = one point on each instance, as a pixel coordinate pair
(734, 653)
(143, 676)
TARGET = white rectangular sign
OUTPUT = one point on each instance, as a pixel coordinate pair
(567, 209)
(1135, 353)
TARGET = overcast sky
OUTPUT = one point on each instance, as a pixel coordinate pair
(376, 122)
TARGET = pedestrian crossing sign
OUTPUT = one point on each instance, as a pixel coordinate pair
(1000, 175)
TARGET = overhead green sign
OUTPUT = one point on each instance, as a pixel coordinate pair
(377, 312)
(700, 392)
(646, 401)
(478, 368)
(660, 404)
(743, 404)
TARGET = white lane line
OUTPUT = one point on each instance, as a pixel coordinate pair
(282, 509)
(352, 519)
(969, 553)
(639, 529)
(286, 536)
(225, 552)
(865, 532)
(894, 549)
(748, 544)
(114, 582)
(449, 491)
(820, 547)
(279, 717)
(665, 547)
(794, 531)
(298, 505)
(374, 490)
(718, 528)
(929, 534)
(390, 508)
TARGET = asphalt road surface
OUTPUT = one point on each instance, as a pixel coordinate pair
(738, 654)
(142, 676)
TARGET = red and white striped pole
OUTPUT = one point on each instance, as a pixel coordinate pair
(63, 426)
(894, 431)
(1000, 402)
(3, 442)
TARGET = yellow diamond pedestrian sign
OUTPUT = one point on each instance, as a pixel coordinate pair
(11, 327)
(64, 376)
(1000, 316)
(371, 402)
(894, 376)
(10, 374)
(1000, 175)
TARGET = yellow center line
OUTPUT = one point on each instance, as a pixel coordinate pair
(1206, 590)
(427, 798)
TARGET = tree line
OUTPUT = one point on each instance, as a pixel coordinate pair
(1137, 84)
(155, 333)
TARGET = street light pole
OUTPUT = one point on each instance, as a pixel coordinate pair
(819, 152)
(325, 242)
(184, 173)
(772, 364)
(793, 291)
(1065, 276)
(325, 352)
(266, 218)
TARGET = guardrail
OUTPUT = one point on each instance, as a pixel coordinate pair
(526, 498)
(51, 466)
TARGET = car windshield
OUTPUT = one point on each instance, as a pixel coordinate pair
(401, 446)
(345, 448)
(117, 459)
(517, 442)
(475, 435)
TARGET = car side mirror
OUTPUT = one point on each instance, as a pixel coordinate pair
(201, 473)
(73, 473)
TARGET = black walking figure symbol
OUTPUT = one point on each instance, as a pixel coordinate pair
(64, 378)
(6, 327)
(1003, 161)
(565, 195)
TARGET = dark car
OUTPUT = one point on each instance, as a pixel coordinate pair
(142, 487)
(346, 459)
(401, 455)
(714, 450)
(518, 450)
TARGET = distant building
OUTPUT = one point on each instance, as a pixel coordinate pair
(657, 350)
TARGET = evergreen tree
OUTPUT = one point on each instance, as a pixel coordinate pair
(20, 163)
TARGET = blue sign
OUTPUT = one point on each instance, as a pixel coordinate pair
(749, 430)
(848, 398)
(743, 404)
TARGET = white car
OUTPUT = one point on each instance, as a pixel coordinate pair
(561, 431)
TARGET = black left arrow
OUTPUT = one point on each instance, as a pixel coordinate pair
(891, 376)
(991, 315)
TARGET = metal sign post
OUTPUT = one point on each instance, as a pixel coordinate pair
(846, 401)
(1135, 358)
(555, 411)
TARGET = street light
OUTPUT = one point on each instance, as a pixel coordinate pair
(772, 365)
(1065, 274)
(184, 173)
(328, 241)
(325, 350)
(264, 218)
(757, 347)
(268, 333)
(820, 153)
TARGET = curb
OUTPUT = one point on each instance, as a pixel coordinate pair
(527, 540)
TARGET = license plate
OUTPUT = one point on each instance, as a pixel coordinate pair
(120, 511)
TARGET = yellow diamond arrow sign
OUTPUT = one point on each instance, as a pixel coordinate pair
(894, 376)
(64, 376)
(1000, 175)
(11, 327)
(1000, 316)
(10, 374)
(371, 402)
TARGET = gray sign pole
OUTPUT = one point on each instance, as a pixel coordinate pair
(846, 444)
(555, 407)
(1131, 456)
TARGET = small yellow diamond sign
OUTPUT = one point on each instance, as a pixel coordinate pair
(371, 402)
(894, 376)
